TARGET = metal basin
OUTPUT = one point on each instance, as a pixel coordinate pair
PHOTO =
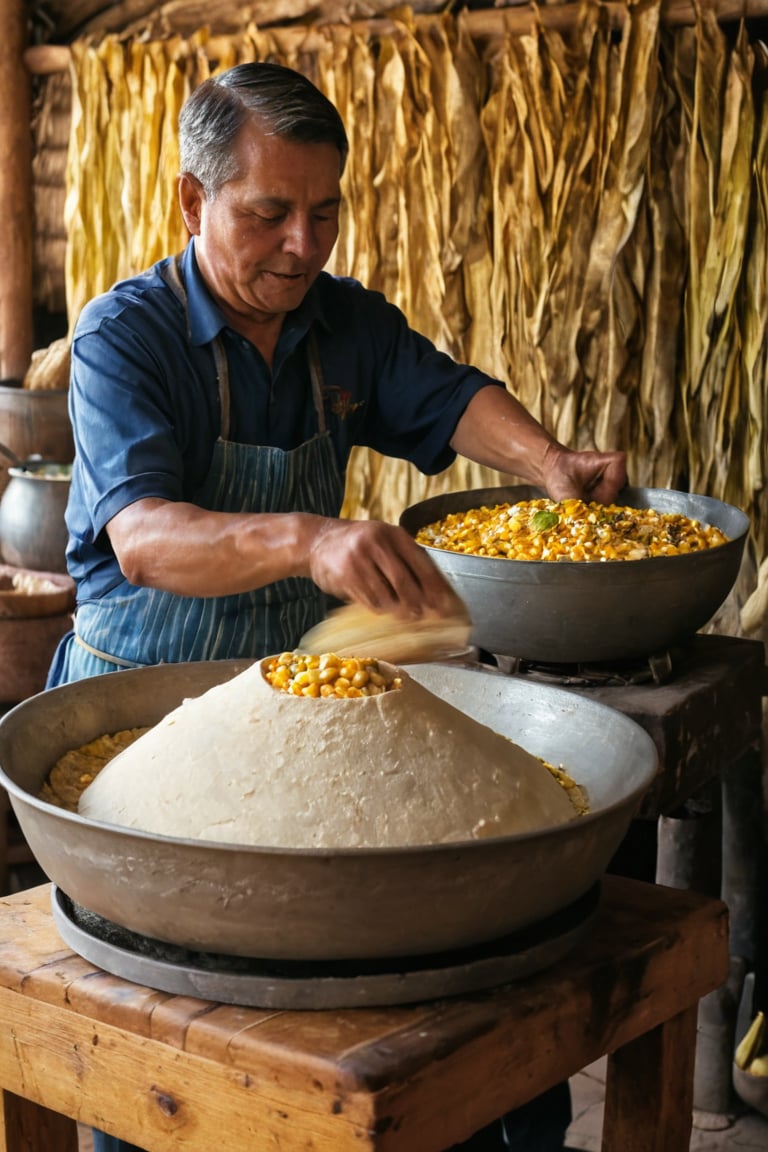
(306, 904)
(571, 612)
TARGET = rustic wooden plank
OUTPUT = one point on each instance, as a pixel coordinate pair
(172, 1019)
(213, 1034)
(16, 206)
(122, 1003)
(29, 938)
(156, 1096)
(331, 1035)
(36, 961)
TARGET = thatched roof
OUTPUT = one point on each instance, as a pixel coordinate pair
(61, 21)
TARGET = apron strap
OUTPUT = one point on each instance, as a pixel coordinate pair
(316, 376)
(110, 659)
(222, 379)
(172, 276)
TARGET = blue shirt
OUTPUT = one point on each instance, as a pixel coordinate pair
(144, 396)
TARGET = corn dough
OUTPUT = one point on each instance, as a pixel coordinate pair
(246, 764)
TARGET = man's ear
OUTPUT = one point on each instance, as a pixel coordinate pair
(191, 197)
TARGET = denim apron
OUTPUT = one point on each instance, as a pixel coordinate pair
(133, 627)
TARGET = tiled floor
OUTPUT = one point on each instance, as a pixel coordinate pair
(747, 1133)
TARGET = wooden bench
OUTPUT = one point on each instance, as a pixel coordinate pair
(164, 1072)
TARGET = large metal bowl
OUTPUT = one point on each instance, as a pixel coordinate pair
(307, 904)
(571, 612)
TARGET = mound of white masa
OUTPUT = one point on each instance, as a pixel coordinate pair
(246, 764)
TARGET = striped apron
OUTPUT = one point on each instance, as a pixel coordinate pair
(133, 627)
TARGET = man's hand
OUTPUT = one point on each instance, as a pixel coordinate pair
(380, 566)
(495, 430)
(598, 476)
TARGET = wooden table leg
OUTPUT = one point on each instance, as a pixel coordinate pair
(25, 1126)
(5, 883)
(649, 1090)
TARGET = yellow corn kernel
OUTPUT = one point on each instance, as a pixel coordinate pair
(328, 676)
(569, 530)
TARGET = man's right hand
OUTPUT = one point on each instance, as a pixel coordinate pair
(379, 565)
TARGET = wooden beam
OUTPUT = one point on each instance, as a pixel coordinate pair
(484, 25)
(519, 18)
(43, 59)
(16, 204)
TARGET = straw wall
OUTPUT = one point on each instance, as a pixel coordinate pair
(582, 214)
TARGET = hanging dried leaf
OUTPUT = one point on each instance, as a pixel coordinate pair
(583, 215)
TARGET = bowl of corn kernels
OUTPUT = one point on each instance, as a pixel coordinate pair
(573, 581)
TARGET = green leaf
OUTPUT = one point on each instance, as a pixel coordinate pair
(543, 521)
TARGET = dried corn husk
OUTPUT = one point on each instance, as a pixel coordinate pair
(353, 630)
(722, 131)
(49, 367)
(581, 215)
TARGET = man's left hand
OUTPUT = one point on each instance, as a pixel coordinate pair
(598, 476)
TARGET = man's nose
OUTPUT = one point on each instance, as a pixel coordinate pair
(300, 236)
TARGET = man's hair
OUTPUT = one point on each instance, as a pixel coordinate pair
(283, 101)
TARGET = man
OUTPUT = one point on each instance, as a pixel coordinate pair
(215, 400)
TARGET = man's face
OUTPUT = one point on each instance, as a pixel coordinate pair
(264, 238)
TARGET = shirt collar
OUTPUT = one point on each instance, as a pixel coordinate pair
(206, 320)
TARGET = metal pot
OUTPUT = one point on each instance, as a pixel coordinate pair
(33, 532)
(34, 420)
(570, 612)
(312, 904)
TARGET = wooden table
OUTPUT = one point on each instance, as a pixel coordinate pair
(169, 1072)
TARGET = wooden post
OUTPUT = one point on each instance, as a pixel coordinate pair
(16, 201)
